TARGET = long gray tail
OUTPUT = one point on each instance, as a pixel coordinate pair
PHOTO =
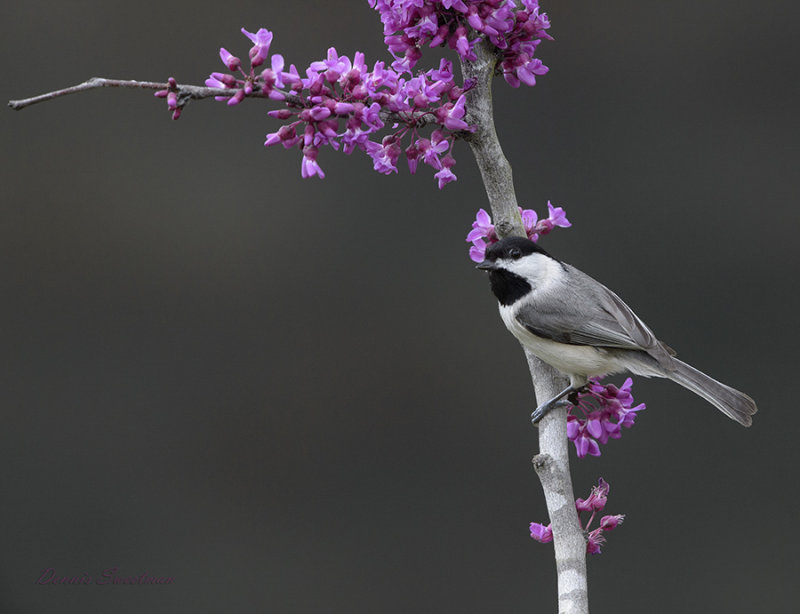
(732, 403)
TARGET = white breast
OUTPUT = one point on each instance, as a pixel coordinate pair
(579, 362)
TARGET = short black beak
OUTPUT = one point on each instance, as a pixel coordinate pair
(487, 265)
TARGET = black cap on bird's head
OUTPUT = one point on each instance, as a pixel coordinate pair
(510, 248)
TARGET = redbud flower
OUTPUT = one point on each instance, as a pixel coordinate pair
(557, 216)
(261, 42)
(600, 414)
(286, 135)
(412, 155)
(221, 80)
(477, 253)
(584, 444)
(529, 219)
(309, 166)
(214, 81)
(431, 149)
(444, 72)
(445, 176)
(482, 235)
(451, 114)
(482, 227)
(611, 522)
(274, 78)
(594, 538)
(542, 534)
(333, 66)
(597, 498)
(384, 156)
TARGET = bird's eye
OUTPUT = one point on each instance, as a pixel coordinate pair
(514, 253)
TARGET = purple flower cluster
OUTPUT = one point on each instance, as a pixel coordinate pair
(483, 234)
(342, 103)
(605, 410)
(515, 28)
(595, 503)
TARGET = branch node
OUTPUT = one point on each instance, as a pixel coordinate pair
(541, 462)
(504, 228)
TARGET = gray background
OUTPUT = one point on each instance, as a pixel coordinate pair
(297, 396)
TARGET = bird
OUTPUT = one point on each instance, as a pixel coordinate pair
(578, 326)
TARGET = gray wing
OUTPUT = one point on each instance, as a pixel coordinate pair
(585, 312)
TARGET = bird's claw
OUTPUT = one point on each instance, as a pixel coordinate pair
(540, 411)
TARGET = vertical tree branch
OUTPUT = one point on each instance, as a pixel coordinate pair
(552, 462)
(495, 169)
(552, 467)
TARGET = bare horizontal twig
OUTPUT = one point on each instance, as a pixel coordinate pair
(188, 92)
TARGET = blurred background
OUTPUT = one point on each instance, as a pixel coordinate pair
(296, 396)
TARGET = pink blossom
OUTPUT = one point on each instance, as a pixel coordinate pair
(542, 534)
(601, 412)
(594, 540)
(607, 523)
(309, 166)
(260, 49)
(593, 504)
(483, 231)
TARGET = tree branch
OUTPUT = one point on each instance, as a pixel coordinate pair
(184, 91)
(552, 462)
(188, 92)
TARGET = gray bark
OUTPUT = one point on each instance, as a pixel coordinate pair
(552, 462)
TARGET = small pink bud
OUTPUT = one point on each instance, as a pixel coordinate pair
(280, 114)
(231, 61)
(236, 98)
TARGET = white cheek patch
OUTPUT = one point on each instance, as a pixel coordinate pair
(538, 269)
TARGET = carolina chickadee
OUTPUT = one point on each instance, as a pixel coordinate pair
(583, 329)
